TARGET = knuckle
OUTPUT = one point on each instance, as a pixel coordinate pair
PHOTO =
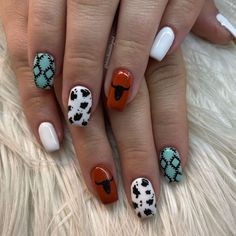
(127, 45)
(135, 153)
(90, 4)
(82, 61)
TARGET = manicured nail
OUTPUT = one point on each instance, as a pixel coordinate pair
(162, 43)
(48, 137)
(143, 198)
(79, 106)
(104, 184)
(44, 70)
(120, 89)
(225, 23)
(171, 164)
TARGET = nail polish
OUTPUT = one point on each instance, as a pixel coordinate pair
(171, 164)
(162, 43)
(120, 89)
(143, 198)
(44, 70)
(104, 184)
(225, 23)
(48, 137)
(79, 106)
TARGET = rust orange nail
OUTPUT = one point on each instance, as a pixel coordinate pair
(120, 89)
(104, 184)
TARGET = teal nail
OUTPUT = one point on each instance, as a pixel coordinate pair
(44, 70)
(171, 164)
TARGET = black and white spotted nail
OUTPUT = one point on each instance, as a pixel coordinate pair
(143, 198)
(79, 106)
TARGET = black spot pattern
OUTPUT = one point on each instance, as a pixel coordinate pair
(135, 205)
(83, 105)
(77, 116)
(148, 192)
(73, 96)
(147, 212)
(149, 202)
(144, 183)
(136, 192)
(85, 92)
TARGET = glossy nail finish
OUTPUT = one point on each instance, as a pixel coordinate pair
(120, 89)
(225, 23)
(48, 137)
(162, 43)
(143, 198)
(79, 106)
(44, 70)
(171, 164)
(104, 184)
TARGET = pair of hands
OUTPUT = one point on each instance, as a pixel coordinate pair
(153, 125)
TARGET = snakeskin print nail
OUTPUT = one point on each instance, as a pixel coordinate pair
(44, 70)
(79, 106)
(143, 198)
(171, 164)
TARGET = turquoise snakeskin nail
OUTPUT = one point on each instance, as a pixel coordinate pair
(44, 70)
(171, 164)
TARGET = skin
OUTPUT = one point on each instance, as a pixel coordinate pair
(162, 85)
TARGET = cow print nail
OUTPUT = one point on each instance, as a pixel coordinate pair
(79, 106)
(143, 198)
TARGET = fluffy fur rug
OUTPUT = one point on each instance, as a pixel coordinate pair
(45, 195)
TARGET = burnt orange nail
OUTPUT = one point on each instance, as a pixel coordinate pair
(104, 184)
(120, 88)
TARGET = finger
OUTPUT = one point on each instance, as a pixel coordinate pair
(131, 50)
(133, 133)
(212, 26)
(46, 32)
(95, 155)
(88, 28)
(177, 21)
(167, 87)
(39, 106)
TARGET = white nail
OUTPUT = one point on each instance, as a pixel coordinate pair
(162, 43)
(225, 23)
(143, 198)
(48, 137)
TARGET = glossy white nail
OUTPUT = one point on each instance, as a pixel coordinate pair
(162, 43)
(225, 23)
(143, 198)
(48, 137)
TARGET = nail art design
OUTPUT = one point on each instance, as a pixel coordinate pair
(105, 185)
(162, 43)
(48, 137)
(143, 198)
(171, 164)
(44, 70)
(225, 23)
(79, 106)
(120, 88)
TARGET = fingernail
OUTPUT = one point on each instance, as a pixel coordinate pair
(162, 43)
(143, 198)
(44, 70)
(79, 106)
(104, 184)
(120, 89)
(171, 164)
(48, 137)
(225, 23)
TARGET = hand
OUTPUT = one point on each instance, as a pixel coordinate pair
(73, 35)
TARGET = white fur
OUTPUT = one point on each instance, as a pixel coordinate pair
(42, 194)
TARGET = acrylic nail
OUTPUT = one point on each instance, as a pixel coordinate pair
(226, 23)
(120, 89)
(44, 70)
(104, 184)
(171, 164)
(79, 106)
(143, 198)
(48, 137)
(162, 43)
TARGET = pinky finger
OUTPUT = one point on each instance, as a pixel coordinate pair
(213, 26)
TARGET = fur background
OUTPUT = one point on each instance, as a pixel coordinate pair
(44, 194)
